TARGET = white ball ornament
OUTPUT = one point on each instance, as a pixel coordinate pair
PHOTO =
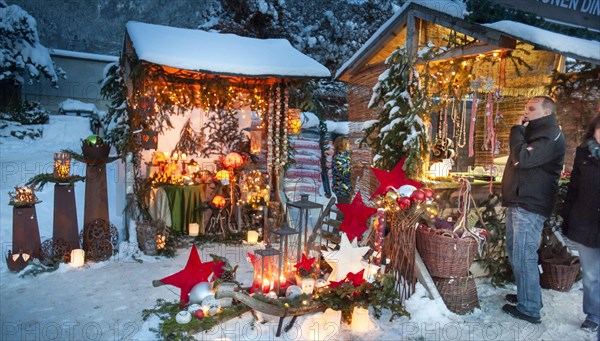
(193, 307)
(183, 317)
(199, 292)
(271, 295)
(320, 283)
(406, 190)
(210, 305)
(293, 291)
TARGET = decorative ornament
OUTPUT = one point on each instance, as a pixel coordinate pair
(293, 291)
(94, 140)
(233, 160)
(194, 307)
(305, 263)
(355, 217)
(356, 278)
(210, 304)
(406, 190)
(271, 295)
(194, 272)
(346, 259)
(218, 201)
(404, 203)
(396, 178)
(199, 314)
(183, 317)
(418, 195)
(200, 291)
(428, 192)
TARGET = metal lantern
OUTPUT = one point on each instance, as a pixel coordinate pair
(62, 165)
(294, 122)
(303, 215)
(288, 250)
(219, 201)
(266, 269)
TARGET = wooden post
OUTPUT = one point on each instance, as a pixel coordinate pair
(96, 197)
(26, 233)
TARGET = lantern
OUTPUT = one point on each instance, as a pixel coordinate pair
(77, 258)
(192, 166)
(62, 165)
(233, 160)
(218, 201)
(23, 196)
(288, 249)
(266, 269)
(146, 107)
(294, 122)
(223, 176)
(255, 141)
(302, 215)
(149, 139)
(17, 261)
(440, 169)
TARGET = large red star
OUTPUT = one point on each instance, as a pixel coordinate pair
(355, 217)
(396, 178)
(194, 272)
(305, 263)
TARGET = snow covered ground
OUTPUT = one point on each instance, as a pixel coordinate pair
(104, 301)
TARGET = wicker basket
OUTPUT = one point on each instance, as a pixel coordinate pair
(558, 277)
(444, 255)
(459, 294)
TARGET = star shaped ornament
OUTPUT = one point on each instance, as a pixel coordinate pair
(345, 260)
(305, 263)
(395, 179)
(194, 272)
(355, 217)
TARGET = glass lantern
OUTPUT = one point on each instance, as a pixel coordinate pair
(62, 165)
(302, 215)
(266, 270)
(288, 251)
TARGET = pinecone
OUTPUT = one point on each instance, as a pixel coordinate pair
(303, 272)
(228, 276)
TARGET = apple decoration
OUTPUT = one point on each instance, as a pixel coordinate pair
(404, 202)
(418, 195)
(428, 192)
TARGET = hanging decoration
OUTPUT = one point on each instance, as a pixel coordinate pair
(149, 139)
(190, 141)
(294, 121)
(475, 86)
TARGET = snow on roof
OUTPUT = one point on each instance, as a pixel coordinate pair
(84, 55)
(455, 8)
(220, 53)
(555, 42)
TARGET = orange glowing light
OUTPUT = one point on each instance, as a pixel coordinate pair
(233, 160)
(219, 201)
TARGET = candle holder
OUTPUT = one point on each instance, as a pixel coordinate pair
(288, 249)
(300, 214)
(266, 269)
(62, 165)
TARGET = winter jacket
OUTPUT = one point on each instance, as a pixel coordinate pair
(581, 211)
(536, 159)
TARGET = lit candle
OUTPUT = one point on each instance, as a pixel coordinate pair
(194, 229)
(360, 320)
(252, 237)
(77, 258)
(282, 281)
(266, 285)
(183, 156)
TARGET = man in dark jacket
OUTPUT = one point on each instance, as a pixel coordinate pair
(529, 188)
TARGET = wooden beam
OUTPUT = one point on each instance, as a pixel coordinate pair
(412, 36)
(465, 51)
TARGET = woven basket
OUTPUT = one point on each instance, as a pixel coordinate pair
(559, 277)
(459, 294)
(444, 255)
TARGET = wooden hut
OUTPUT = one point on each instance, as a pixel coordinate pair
(516, 59)
(206, 94)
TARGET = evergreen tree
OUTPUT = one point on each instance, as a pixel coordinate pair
(21, 53)
(189, 140)
(222, 132)
(401, 128)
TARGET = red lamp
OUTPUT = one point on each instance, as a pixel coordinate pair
(233, 160)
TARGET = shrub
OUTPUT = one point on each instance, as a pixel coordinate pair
(30, 112)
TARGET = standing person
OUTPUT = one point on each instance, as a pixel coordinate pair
(340, 164)
(581, 214)
(529, 188)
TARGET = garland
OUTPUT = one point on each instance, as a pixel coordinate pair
(40, 180)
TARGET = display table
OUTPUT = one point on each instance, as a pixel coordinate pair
(185, 205)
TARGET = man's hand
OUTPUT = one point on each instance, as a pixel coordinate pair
(521, 121)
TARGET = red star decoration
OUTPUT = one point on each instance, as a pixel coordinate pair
(194, 272)
(305, 263)
(217, 268)
(396, 178)
(334, 284)
(356, 278)
(355, 217)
